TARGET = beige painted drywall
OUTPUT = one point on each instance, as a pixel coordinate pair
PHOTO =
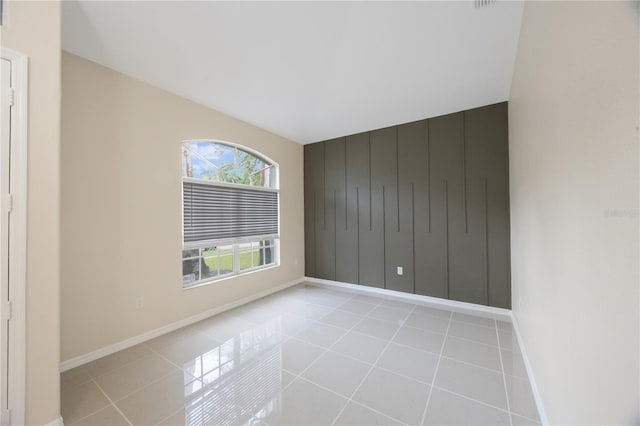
(573, 129)
(121, 206)
(33, 28)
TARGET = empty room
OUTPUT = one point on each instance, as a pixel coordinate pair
(320, 213)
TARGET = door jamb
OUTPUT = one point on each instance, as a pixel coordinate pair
(18, 235)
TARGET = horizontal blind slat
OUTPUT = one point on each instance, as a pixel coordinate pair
(216, 212)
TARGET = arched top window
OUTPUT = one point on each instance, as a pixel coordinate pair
(227, 163)
(230, 211)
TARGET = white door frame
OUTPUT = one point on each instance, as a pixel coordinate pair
(18, 235)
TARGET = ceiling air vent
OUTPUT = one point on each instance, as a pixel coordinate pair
(483, 3)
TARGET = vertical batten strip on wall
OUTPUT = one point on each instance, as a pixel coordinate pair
(508, 201)
(384, 240)
(413, 238)
(486, 240)
(315, 236)
(370, 191)
(445, 197)
(335, 241)
(358, 227)
(464, 173)
(428, 166)
(346, 188)
(397, 182)
(324, 186)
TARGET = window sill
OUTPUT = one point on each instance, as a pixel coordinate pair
(228, 277)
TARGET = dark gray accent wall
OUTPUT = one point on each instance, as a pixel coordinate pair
(430, 196)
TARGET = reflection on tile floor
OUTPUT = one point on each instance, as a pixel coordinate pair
(312, 355)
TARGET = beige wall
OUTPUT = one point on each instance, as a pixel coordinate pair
(121, 206)
(19, 33)
(573, 114)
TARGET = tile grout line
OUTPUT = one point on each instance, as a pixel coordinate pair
(169, 416)
(520, 378)
(94, 379)
(406, 377)
(504, 410)
(355, 402)
(475, 341)
(409, 347)
(435, 372)
(159, 355)
(154, 381)
(482, 367)
(373, 366)
(325, 350)
(157, 379)
(458, 337)
(537, 422)
(185, 372)
(126, 364)
(77, 421)
(312, 321)
(376, 411)
(461, 338)
(328, 348)
(472, 322)
(113, 404)
(69, 388)
(368, 364)
(504, 379)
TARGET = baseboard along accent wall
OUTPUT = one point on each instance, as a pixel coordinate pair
(492, 312)
(420, 208)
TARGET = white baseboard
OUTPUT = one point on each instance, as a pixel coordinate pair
(55, 422)
(534, 387)
(124, 344)
(482, 310)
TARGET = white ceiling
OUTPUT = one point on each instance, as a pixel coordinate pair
(308, 71)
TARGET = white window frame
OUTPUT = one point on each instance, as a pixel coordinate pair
(235, 247)
(235, 242)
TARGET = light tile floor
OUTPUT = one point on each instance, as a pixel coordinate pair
(312, 355)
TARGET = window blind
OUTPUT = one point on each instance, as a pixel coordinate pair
(213, 212)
